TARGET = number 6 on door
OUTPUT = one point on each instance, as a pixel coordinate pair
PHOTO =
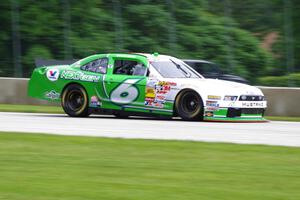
(125, 93)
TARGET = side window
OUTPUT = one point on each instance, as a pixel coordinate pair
(199, 67)
(97, 66)
(129, 67)
(208, 68)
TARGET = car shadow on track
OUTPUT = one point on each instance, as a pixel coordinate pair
(93, 116)
(141, 118)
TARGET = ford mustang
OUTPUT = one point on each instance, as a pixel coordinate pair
(125, 84)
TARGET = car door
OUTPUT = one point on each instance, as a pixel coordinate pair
(126, 83)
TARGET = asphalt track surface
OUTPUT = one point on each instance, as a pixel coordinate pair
(270, 133)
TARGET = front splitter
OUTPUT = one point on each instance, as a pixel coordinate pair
(236, 119)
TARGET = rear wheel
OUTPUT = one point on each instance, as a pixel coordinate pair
(75, 101)
(189, 105)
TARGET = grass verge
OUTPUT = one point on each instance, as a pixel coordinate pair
(283, 118)
(58, 109)
(44, 167)
(30, 108)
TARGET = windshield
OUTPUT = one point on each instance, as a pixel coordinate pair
(174, 68)
(204, 67)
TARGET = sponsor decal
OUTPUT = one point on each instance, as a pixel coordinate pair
(252, 104)
(80, 76)
(95, 102)
(162, 89)
(53, 95)
(209, 114)
(167, 83)
(149, 101)
(52, 74)
(150, 92)
(158, 105)
(231, 104)
(212, 105)
(214, 97)
(172, 83)
(212, 108)
(157, 92)
(160, 97)
(159, 101)
(154, 103)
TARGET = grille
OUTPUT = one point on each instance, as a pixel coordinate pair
(237, 112)
(234, 112)
(251, 98)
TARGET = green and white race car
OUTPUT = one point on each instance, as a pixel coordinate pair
(144, 84)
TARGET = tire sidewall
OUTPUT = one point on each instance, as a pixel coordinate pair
(198, 115)
(83, 111)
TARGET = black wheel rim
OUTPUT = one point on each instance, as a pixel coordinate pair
(190, 103)
(75, 100)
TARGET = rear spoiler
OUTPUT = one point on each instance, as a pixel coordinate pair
(40, 62)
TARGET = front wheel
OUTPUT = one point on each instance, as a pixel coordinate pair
(189, 105)
(75, 101)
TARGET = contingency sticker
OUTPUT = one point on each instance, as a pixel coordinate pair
(52, 74)
(53, 95)
(214, 97)
(95, 102)
(157, 92)
(212, 105)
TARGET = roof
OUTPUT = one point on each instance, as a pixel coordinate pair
(194, 60)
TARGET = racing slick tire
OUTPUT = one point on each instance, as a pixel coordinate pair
(189, 105)
(74, 101)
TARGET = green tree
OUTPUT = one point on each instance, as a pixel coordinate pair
(92, 29)
(187, 29)
(6, 60)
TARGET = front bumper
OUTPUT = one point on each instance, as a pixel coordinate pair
(234, 114)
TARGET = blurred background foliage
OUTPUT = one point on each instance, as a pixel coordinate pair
(250, 38)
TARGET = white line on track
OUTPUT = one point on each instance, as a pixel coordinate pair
(271, 133)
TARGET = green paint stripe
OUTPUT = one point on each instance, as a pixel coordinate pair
(145, 108)
(235, 119)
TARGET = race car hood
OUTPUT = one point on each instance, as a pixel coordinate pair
(218, 87)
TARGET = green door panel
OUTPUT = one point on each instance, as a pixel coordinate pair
(124, 91)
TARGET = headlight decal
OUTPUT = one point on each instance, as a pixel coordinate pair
(230, 98)
(252, 98)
